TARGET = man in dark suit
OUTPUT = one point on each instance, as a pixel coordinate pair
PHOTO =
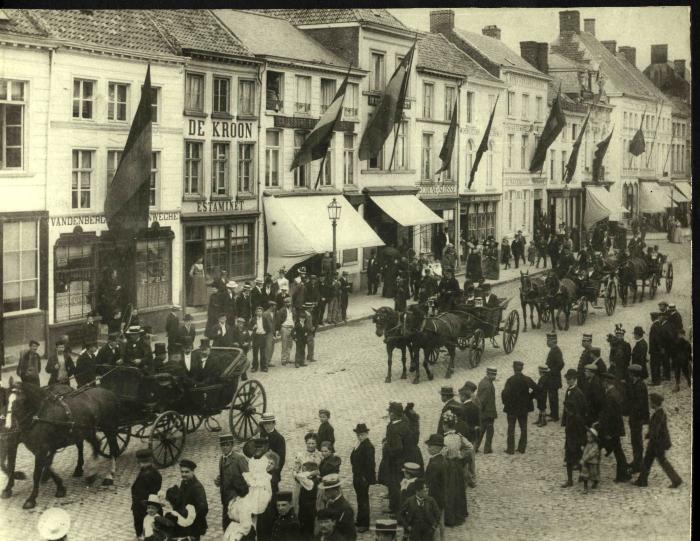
(193, 493)
(243, 303)
(612, 426)
(344, 295)
(172, 325)
(29, 364)
(486, 397)
(420, 515)
(277, 443)
(230, 481)
(60, 365)
(574, 422)
(299, 292)
(517, 397)
(260, 327)
(372, 274)
(394, 451)
(490, 300)
(363, 474)
(221, 333)
(110, 354)
(147, 482)
(555, 363)
(471, 412)
(336, 503)
(90, 330)
(436, 475)
(449, 402)
(241, 336)
(85, 367)
(186, 330)
(175, 365)
(203, 369)
(656, 350)
(640, 349)
(594, 393)
(441, 240)
(638, 407)
(257, 298)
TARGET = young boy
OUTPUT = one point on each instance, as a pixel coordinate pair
(325, 430)
(153, 509)
(411, 471)
(590, 461)
(420, 514)
(659, 443)
(286, 525)
(542, 396)
(299, 335)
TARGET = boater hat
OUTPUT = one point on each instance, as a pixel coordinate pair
(53, 524)
(225, 438)
(386, 525)
(331, 481)
(153, 499)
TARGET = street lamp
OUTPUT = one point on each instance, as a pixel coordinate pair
(334, 215)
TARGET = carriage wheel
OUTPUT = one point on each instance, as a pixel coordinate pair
(653, 285)
(610, 298)
(434, 355)
(476, 348)
(511, 329)
(193, 422)
(669, 278)
(582, 310)
(248, 404)
(167, 438)
(123, 437)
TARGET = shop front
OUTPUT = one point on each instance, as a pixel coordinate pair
(681, 197)
(85, 256)
(479, 217)
(442, 199)
(565, 212)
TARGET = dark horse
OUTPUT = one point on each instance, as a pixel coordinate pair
(48, 421)
(532, 291)
(560, 295)
(628, 272)
(432, 332)
(387, 323)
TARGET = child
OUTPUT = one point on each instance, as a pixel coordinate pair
(531, 253)
(590, 461)
(420, 514)
(505, 253)
(325, 430)
(299, 335)
(542, 396)
(153, 508)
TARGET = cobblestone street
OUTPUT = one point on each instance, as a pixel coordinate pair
(515, 495)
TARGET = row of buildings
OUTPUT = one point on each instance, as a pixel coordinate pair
(235, 93)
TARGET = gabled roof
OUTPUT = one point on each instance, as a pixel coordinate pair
(300, 17)
(265, 35)
(197, 30)
(496, 51)
(436, 53)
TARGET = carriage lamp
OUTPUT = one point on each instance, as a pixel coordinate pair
(334, 215)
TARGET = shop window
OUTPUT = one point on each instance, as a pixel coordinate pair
(246, 97)
(75, 268)
(194, 93)
(327, 93)
(303, 103)
(222, 95)
(216, 251)
(117, 101)
(193, 167)
(348, 159)
(302, 174)
(219, 168)
(272, 158)
(350, 256)
(153, 272)
(81, 179)
(83, 98)
(245, 167)
(20, 266)
(12, 102)
(242, 250)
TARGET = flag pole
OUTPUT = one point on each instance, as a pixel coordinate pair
(320, 171)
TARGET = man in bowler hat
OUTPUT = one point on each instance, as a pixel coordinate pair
(363, 474)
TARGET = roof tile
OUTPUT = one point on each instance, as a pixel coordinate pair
(495, 50)
(330, 16)
(435, 52)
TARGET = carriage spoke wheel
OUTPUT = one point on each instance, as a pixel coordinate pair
(247, 407)
(511, 329)
(476, 348)
(123, 437)
(653, 285)
(669, 278)
(582, 310)
(434, 356)
(167, 438)
(610, 298)
(193, 422)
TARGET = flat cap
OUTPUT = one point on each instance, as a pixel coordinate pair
(187, 463)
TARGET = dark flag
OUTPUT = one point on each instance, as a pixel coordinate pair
(637, 145)
(389, 110)
(599, 155)
(483, 147)
(573, 159)
(449, 142)
(126, 204)
(316, 143)
(552, 128)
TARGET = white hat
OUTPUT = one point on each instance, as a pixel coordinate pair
(231, 284)
(53, 524)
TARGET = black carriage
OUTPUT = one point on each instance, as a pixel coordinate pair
(164, 409)
(659, 269)
(591, 289)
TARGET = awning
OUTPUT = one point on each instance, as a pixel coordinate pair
(683, 193)
(653, 198)
(406, 209)
(600, 204)
(298, 228)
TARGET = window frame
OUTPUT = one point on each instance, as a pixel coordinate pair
(202, 94)
(113, 103)
(524, 144)
(302, 174)
(22, 248)
(540, 109)
(275, 151)
(280, 92)
(428, 100)
(187, 176)
(82, 100)
(510, 103)
(324, 106)
(374, 85)
(525, 107)
(80, 170)
(327, 176)
(303, 108)
(154, 178)
(216, 168)
(111, 171)
(5, 104)
(354, 95)
(241, 111)
(426, 166)
(449, 104)
(248, 162)
(351, 161)
(217, 95)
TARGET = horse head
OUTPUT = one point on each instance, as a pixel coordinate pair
(380, 320)
(411, 320)
(525, 282)
(551, 282)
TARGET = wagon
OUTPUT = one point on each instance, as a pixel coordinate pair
(590, 291)
(484, 322)
(162, 409)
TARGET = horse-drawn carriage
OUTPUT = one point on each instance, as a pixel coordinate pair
(647, 272)
(164, 409)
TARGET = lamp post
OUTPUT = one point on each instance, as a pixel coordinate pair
(334, 215)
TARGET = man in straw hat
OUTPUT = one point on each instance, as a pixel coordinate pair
(336, 503)
(486, 396)
(363, 474)
(54, 524)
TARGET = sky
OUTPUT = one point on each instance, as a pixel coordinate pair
(638, 27)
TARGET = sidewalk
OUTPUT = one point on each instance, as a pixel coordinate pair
(360, 307)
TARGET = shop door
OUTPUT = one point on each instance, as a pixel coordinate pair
(194, 249)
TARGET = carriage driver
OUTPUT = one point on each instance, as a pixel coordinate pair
(449, 291)
(136, 352)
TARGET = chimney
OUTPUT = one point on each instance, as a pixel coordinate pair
(543, 57)
(679, 68)
(528, 50)
(610, 45)
(569, 21)
(442, 21)
(491, 31)
(659, 54)
(630, 54)
(589, 26)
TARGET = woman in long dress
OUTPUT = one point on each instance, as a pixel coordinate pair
(198, 287)
(306, 478)
(457, 452)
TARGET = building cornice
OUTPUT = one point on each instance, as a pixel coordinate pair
(326, 68)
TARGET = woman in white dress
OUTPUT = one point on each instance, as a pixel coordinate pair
(198, 284)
